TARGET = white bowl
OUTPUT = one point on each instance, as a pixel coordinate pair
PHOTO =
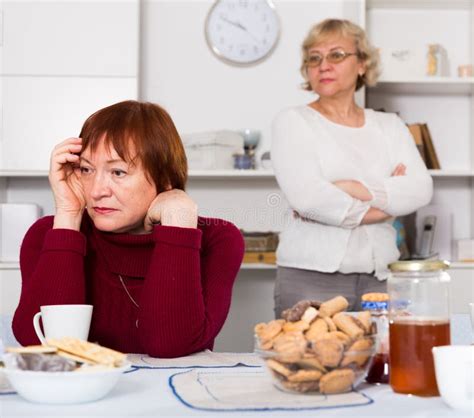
(64, 387)
(454, 367)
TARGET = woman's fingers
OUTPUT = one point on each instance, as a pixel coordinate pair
(400, 170)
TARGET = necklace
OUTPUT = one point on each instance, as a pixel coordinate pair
(127, 292)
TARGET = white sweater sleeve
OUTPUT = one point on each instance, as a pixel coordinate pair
(298, 172)
(401, 195)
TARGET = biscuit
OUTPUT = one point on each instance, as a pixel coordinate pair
(295, 313)
(268, 331)
(329, 352)
(88, 351)
(337, 381)
(302, 387)
(278, 367)
(335, 335)
(305, 376)
(365, 318)
(290, 347)
(309, 361)
(346, 324)
(298, 326)
(309, 315)
(330, 323)
(358, 353)
(317, 328)
(333, 306)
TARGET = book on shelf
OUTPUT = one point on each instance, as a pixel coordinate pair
(423, 141)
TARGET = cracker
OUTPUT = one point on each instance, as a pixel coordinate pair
(32, 349)
(89, 351)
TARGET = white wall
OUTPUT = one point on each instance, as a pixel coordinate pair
(201, 92)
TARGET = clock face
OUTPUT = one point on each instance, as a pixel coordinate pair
(242, 31)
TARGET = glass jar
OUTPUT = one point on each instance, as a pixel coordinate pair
(418, 321)
(377, 305)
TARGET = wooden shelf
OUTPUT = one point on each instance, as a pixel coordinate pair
(468, 265)
(451, 173)
(419, 4)
(426, 85)
(9, 265)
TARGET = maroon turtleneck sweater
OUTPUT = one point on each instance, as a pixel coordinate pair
(181, 279)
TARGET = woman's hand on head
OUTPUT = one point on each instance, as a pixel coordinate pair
(172, 208)
(65, 183)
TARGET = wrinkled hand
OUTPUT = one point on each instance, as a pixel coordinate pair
(64, 179)
(172, 208)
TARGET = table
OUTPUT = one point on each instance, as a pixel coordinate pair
(146, 392)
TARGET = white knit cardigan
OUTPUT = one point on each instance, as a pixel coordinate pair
(309, 152)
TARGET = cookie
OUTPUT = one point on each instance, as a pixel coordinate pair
(337, 381)
(268, 331)
(309, 315)
(305, 376)
(330, 323)
(317, 328)
(346, 324)
(333, 306)
(358, 353)
(278, 367)
(302, 387)
(328, 352)
(297, 326)
(365, 319)
(309, 361)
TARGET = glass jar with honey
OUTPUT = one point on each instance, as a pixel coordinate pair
(418, 321)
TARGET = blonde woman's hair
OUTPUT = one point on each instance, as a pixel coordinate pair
(366, 52)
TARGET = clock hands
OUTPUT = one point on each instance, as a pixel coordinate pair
(240, 26)
(236, 24)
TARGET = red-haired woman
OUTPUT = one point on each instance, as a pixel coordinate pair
(127, 239)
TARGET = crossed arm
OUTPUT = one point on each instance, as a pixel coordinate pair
(358, 191)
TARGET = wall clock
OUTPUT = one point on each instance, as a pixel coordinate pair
(242, 32)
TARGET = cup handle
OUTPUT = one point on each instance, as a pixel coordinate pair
(37, 327)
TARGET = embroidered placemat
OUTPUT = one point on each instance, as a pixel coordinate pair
(202, 359)
(242, 389)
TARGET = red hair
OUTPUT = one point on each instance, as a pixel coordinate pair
(148, 131)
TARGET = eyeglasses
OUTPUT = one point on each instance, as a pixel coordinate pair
(333, 57)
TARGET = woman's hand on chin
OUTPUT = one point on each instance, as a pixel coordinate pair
(172, 208)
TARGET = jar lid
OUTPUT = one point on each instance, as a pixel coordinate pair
(418, 265)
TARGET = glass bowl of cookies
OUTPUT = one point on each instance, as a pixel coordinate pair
(66, 371)
(317, 347)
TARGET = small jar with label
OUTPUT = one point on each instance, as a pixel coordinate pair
(377, 305)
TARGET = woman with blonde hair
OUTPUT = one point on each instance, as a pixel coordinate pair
(356, 170)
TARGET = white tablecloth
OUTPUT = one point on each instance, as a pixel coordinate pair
(146, 392)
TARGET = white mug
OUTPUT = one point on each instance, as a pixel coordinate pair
(63, 321)
(454, 365)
